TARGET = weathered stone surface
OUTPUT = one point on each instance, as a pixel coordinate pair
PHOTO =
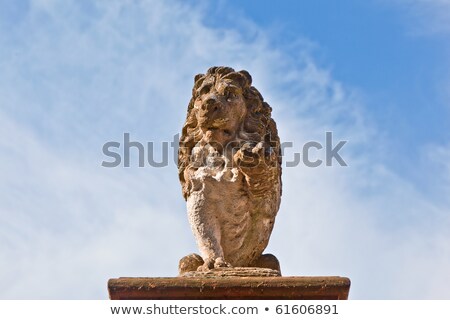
(190, 263)
(267, 261)
(233, 272)
(277, 288)
(193, 263)
(230, 168)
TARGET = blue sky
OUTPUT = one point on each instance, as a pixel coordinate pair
(372, 46)
(74, 75)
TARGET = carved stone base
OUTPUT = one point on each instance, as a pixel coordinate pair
(193, 262)
(229, 287)
(233, 272)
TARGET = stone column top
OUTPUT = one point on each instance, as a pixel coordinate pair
(276, 288)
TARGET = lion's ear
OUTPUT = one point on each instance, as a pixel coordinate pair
(198, 80)
(241, 77)
(198, 77)
(247, 76)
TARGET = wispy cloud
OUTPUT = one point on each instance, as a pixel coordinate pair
(75, 75)
(427, 16)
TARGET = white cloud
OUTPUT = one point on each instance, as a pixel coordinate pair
(428, 16)
(74, 77)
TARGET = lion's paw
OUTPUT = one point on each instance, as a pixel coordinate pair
(221, 263)
(212, 263)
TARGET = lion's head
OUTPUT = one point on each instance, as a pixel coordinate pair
(225, 109)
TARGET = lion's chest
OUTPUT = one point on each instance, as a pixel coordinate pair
(219, 199)
(221, 193)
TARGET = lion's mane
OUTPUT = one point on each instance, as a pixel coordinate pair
(257, 125)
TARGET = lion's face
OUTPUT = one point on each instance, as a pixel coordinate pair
(220, 109)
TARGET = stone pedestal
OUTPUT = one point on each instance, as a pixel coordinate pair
(275, 288)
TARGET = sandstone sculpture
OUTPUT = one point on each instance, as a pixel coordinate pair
(229, 165)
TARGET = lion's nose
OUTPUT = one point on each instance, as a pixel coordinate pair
(211, 104)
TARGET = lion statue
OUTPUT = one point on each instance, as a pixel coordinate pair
(229, 163)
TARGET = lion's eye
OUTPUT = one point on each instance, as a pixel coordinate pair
(204, 89)
(230, 95)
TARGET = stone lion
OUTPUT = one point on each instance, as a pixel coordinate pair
(229, 165)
